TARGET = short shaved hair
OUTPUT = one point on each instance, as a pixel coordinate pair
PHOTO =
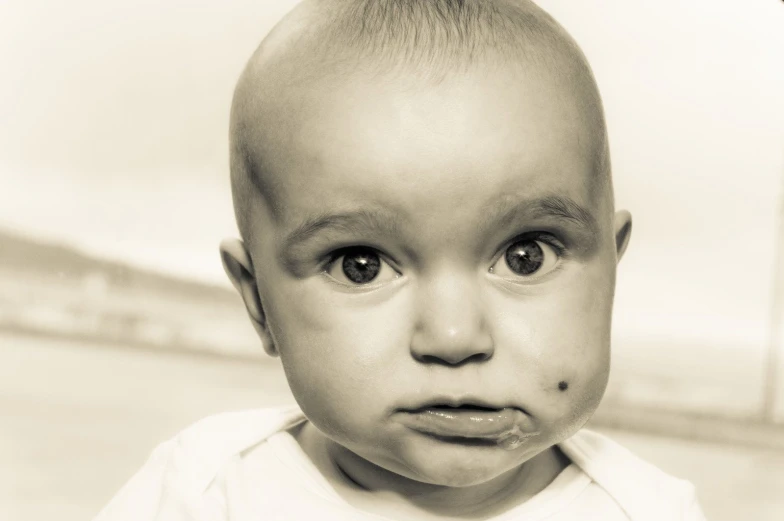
(439, 37)
(421, 40)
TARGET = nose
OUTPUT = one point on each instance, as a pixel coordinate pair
(451, 328)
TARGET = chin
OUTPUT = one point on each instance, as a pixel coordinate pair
(458, 478)
(468, 479)
(456, 471)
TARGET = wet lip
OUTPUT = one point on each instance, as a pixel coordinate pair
(467, 421)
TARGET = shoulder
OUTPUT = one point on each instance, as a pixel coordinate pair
(230, 429)
(202, 449)
(642, 490)
(175, 482)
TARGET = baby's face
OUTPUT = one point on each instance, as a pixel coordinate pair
(437, 247)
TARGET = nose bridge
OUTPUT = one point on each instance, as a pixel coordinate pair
(451, 325)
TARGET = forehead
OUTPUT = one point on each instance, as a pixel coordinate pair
(454, 147)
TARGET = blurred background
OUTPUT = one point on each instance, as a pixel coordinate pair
(118, 328)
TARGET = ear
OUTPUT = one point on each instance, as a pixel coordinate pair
(623, 232)
(239, 268)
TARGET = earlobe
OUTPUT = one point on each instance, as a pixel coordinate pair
(239, 268)
(623, 231)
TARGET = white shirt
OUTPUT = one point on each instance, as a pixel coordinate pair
(245, 466)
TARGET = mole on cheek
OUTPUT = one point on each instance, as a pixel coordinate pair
(562, 385)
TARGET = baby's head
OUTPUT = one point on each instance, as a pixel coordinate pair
(424, 197)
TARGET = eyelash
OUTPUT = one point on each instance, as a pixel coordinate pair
(334, 255)
(545, 237)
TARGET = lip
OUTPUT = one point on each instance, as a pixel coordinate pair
(467, 421)
(462, 401)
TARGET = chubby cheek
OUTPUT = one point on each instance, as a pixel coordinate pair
(562, 346)
(573, 386)
(337, 350)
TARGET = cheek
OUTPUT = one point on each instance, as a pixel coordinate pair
(581, 355)
(336, 349)
(576, 368)
(356, 330)
(562, 345)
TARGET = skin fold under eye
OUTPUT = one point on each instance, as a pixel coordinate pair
(527, 258)
(359, 266)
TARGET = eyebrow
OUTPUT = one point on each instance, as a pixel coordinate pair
(562, 208)
(350, 222)
(501, 213)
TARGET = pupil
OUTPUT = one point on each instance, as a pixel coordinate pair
(525, 257)
(361, 267)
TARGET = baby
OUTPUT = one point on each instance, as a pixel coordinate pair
(429, 243)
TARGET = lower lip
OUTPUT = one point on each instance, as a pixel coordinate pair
(506, 427)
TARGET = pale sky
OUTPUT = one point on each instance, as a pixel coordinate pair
(114, 138)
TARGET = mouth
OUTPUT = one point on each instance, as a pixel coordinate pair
(460, 440)
(461, 404)
(462, 407)
(473, 423)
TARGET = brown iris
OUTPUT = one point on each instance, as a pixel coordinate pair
(361, 266)
(525, 257)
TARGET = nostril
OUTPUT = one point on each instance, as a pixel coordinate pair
(456, 360)
(481, 357)
(478, 357)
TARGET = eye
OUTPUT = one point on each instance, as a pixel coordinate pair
(358, 266)
(527, 257)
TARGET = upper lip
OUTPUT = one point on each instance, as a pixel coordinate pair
(455, 402)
